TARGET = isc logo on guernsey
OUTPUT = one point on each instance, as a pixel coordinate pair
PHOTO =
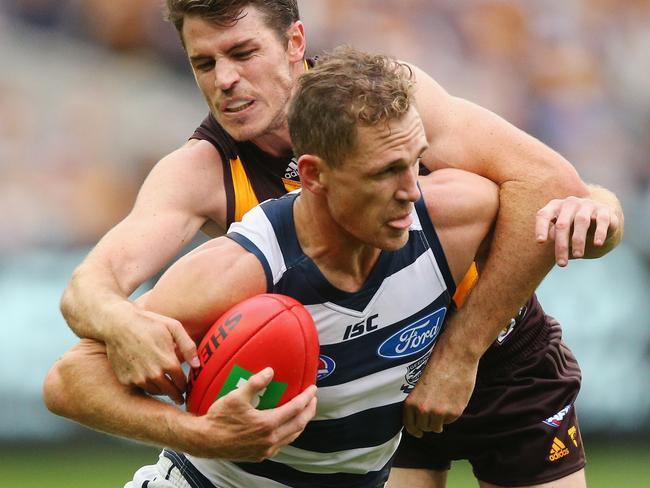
(414, 337)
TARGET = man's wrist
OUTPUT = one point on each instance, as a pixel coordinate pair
(460, 345)
(112, 319)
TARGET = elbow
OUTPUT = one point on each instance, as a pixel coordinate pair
(54, 390)
(68, 299)
(575, 186)
(65, 304)
(565, 181)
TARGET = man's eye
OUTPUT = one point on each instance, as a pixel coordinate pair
(244, 54)
(205, 66)
(389, 171)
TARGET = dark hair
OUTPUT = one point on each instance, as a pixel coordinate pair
(347, 88)
(279, 14)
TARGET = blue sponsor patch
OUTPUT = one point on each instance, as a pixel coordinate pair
(413, 338)
(326, 367)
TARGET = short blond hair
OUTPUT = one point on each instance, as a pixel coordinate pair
(346, 89)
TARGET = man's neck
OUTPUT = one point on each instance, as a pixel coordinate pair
(344, 260)
(276, 143)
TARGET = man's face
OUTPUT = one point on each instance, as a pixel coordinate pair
(243, 71)
(371, 193)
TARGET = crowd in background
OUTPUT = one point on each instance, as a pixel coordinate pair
(94, 92)
(571, 72)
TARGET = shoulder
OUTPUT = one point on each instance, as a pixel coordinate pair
(203, 284)
(194, 154)
(189, 179)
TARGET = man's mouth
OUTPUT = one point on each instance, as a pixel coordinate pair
(403, 222)
(238, 106)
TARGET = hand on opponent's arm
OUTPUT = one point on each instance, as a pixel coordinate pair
(142, 346)
(581, 227)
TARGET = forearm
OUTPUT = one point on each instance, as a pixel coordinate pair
(92, 296)
(509, 275)
(82, 387)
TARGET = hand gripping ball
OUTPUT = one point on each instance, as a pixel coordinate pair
(265, 330)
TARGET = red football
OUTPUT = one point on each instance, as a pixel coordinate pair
(265, 330)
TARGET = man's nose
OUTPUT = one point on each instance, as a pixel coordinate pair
(409, 190)
(226, 75)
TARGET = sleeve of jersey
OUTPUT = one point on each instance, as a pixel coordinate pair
(255, 234)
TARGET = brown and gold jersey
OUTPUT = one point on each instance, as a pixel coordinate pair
(250, 175)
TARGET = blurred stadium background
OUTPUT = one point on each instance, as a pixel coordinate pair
(94, 92)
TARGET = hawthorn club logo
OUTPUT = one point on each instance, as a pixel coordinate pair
(269, 397)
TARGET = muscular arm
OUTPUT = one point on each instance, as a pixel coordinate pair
(529, 175)
(182, 191)
(164, 218)
(195, 290)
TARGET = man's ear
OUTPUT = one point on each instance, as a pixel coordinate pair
(313, 173)
(296, 42)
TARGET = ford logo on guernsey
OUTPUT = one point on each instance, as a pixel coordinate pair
(326, 366)
(414, 337)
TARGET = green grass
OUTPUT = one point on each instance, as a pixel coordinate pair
(93, 463)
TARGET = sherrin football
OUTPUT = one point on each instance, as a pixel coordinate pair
(265, 330)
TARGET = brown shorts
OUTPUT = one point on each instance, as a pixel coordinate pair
(520, 426)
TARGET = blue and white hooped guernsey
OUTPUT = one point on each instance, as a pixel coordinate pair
(374, 345)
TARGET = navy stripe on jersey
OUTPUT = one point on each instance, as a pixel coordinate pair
(434, 242)
(370, 427)
(192, 475)
(359, 357)
(244, 242)
(298, 479)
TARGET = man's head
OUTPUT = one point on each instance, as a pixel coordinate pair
(359, 138)
(245, 55)
(347, 89)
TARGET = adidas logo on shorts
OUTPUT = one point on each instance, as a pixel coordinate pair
(558, 450)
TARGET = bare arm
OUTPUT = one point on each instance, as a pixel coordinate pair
(463, 207)
(195, 290)
(82, 386)
(174, 202)
(529, 175)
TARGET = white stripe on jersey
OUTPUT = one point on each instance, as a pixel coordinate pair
(331, 319)
(357, 461)
(371, 391)
(255, 226)
(224, 474)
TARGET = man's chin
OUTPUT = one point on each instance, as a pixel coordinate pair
(394, 243)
